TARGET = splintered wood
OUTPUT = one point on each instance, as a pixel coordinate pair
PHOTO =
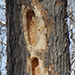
(36, 28)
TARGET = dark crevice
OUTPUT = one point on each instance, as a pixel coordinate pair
(35, 63)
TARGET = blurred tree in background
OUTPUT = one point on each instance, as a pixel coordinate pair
(3, 37)
(71, 28)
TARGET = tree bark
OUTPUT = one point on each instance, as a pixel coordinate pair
(37, 37)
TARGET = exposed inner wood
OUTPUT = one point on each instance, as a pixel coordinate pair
(59, 2)
(56, 73)
(35, 67)
(31, 27)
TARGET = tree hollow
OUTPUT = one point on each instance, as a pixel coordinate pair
(31, 27)
(35, 67)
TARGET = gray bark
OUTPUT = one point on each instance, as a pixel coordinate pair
(57, 52)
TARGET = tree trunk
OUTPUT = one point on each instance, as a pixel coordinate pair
(37, 37)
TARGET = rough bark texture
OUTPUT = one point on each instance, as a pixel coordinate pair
(55, 56)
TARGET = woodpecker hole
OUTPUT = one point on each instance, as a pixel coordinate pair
(31, 28)
(35, 67)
